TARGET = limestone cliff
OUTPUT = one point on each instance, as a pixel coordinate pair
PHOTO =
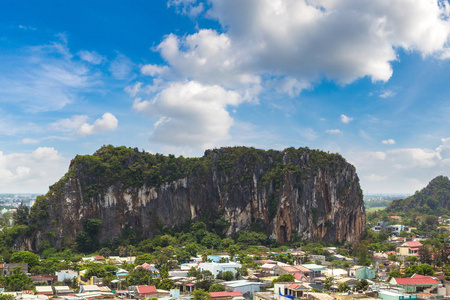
(295, 192)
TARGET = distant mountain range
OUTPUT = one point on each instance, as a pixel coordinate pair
(434, 199)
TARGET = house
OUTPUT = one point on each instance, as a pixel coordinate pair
(43, 279)
(293, 270)
(44, 290)
(225, 295)
(99, 258)
(396, 218)
(393, 295)
(145, 291)
(283, 290)
(89, 288)
(215, 268)
(317, 269)
(6, 269)
(415, 283)
(247, 288)
(62, 290)
(334, 272)
(65, 275)
(268, 269)
(409, 248)
(362, 272)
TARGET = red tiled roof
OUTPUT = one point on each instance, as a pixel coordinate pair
(391, 252)
(99, 257)
(395, 217)
(416, 276)
(416, 281)
(189, 284)
(294, 286)
(146, 289)
(413, 244)
(1, 266)
(225, 294)
(297, 276)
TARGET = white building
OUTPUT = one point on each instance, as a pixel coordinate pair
(66, 275)
(215, 268)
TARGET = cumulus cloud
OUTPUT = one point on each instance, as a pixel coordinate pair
(345, 119)
(306, 40)
(190, 114)
(108, 122)
(288, 46)
(91, 57)
(333, 131)
(31, 172)
(416, 166)
(388, 142)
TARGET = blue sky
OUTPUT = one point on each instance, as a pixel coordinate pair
(367, 79)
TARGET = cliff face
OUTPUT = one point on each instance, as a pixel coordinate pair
(295, 192)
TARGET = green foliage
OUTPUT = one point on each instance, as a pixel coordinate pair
(363, 285)
(6, 297)
(21, 215)
(227, 275)
(422, 269)
(18, 281)
(343, 287)
(217, 287)
(201, 294)
(433, 200)
(283, 278)
(25, 257)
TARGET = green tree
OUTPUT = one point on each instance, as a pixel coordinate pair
(363, 284)
(25, 257)
(283, 278)
(201, 294)
(217, 287)
(328, 282)
(21, 215)
(425, 254)
(343, 287)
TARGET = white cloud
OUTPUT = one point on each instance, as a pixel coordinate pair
(388, 142)
(333, 131)
(29, 141)
(345, 119)
(187, 7)
(43, 78)
(69, 125)
(190, 114)
(402, 169)
(307, 40)
(108, 122)
(153, 70)
(121, 67)
(91, 57)
(31, 172)
(133, 90)
(387, 94)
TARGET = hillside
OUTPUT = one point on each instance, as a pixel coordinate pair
(119, 193)
(434, 199)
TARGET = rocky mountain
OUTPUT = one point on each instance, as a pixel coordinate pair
(295, 192)
(434, 199)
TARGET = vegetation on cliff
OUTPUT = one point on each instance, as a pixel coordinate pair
(75, 214)
(434, 199)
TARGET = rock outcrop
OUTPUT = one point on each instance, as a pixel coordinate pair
(292, 193)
